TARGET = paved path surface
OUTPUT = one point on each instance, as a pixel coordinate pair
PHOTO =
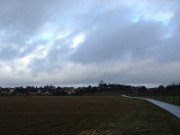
(173, 109)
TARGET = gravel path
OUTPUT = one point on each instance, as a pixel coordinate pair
(173, 109)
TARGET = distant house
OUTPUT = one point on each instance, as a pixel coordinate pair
(6, 92)
(20, 91)
(28, 87)
(69, 90)
(39, 92)
(11, 90)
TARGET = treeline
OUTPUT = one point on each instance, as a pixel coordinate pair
(104, 89)
(170, 93)
(101, 89)
(37, 91)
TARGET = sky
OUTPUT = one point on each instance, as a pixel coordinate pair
(80, 42)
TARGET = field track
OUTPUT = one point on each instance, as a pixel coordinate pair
(173, 109)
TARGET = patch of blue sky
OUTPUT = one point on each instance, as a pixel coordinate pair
(135, 20)
(164, 18)
(148, 12)
(43, 36)
(47, 36)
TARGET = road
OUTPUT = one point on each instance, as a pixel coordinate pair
(173, 109)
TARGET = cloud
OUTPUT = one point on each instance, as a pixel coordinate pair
(120, 42)
(64, 41)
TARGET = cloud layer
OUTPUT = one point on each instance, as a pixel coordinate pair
(62, 42)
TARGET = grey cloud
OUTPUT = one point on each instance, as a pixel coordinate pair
(12, 51)
(176, 21)
(39, 65)
(56, 57)
(111, 38)
(168, 49)
(21, 20)
(7, 53)
(144, 72)
(22, 15)
(118, 41)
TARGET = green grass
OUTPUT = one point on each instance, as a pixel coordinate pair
(147, 119)
(83, 116)
(169, 99)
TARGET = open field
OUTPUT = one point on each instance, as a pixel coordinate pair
(84, 116)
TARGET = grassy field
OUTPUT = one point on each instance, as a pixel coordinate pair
(169, 99)
(84, 116)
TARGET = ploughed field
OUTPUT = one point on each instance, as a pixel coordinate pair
(98, 115)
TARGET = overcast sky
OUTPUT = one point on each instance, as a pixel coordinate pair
(79, 42)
